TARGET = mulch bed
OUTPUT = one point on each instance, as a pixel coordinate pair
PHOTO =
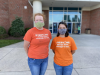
(14, 38)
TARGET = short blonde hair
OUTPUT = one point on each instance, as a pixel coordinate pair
(40, 15)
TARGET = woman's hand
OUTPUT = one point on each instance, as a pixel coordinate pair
(53, 51)
(26, 46)
(72, 51)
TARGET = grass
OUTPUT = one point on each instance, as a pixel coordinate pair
(8, 42)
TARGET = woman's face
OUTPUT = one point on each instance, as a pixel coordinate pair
(62, 26)
(39, 18)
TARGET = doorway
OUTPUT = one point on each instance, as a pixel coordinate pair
(55, 27)
(75, 28)
(69, 25)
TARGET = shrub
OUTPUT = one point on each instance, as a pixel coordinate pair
(9, 31)
(26, 29)
(2, 36)
(2, 30)
(3, 33)
(17, 28)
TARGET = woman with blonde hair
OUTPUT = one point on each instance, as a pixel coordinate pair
(36, 42)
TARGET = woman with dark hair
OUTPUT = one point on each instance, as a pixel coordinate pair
(63, 47)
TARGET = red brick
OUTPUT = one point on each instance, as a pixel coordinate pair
(4, 14)
(91, 19)
(11, 8)
(85, 20)
(95, 21)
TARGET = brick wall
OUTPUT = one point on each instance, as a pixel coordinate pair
(16, 8)
(91, 19)
(95, 21)
(46, 12)
(4, 14)
(11, 8)
(85, 20)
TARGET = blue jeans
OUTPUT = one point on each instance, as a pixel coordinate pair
(37, 66)
(63, 70)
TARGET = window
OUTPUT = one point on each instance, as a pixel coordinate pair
(57, 8)
(57, 12)
(72, 16)
(57, 18)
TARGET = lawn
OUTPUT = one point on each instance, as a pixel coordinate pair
(8, 42)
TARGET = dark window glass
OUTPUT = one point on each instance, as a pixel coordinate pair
(65, 18)
(55, 27)
(79, 12)
(69, 25)
(50, 26)
(80, 8)
(65, 8)
(72, 8)
(72, 18)
(50, 8)
(79, 18)
(51, 31)
(57, 8)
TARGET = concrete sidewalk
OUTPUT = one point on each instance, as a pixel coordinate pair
(13, 59)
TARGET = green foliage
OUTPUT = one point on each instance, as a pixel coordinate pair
(2, 30)
(17, 28)
(26, 29)
(2, 36)
(3, 33)
(9, 31)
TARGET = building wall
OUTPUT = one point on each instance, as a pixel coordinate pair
(95, 21)
(85, 21)
(11, 8)
(16, 8)
(46, 12)
(4, 14)
(91, 19)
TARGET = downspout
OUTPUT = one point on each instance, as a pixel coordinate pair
(30, 3)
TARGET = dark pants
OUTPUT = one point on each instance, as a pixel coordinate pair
(78, 31)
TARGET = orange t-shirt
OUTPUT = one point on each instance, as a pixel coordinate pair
(39, 42)
(62, 48)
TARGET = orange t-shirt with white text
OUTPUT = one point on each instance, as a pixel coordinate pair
(39, 42)
(62, 48)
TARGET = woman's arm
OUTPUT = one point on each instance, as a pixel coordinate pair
(72, 51)
(26, 46)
